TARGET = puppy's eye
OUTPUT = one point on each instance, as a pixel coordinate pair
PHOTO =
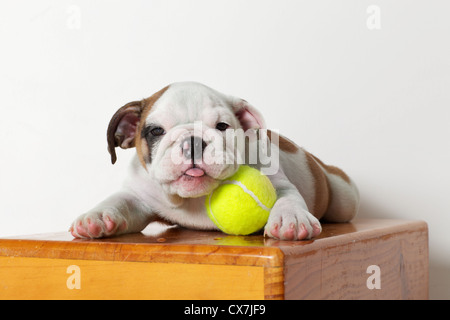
(158, 131)
(222, 126)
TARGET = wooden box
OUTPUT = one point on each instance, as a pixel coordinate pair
(365, 259)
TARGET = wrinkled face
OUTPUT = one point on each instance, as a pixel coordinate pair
(184, 136)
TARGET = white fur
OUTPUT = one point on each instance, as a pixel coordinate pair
(162, 189)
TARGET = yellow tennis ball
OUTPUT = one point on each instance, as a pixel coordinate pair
(241, 204)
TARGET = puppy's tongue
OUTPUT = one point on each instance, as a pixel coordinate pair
(195, 172)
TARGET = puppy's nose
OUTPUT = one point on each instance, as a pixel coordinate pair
(193, 147)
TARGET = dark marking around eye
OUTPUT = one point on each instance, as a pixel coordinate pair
(152, 140)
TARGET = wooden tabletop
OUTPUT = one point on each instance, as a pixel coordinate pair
(331, 266)
(162, 243)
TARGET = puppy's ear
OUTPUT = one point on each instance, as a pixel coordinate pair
(122, 127)
(248, 116)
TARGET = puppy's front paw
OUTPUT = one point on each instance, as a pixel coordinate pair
(98, 224)
(288, 220)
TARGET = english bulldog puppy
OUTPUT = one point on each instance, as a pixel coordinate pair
(184, 151)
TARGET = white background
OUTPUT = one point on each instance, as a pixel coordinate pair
(374, 102)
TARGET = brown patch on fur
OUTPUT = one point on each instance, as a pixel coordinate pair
(333, 170)
(322, 190)
(114, 139)
(284, 143)
(141, 145)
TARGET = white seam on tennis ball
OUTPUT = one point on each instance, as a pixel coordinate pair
(212, 213)
(244, 188)
(249, 192)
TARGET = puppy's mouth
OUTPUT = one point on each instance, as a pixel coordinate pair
(196, 180)
(194, 172)
(193, 182)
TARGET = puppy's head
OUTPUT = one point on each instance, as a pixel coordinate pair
(182, 136)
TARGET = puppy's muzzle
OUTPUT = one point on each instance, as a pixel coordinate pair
(193, 147)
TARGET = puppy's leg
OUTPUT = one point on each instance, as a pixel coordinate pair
(290, 218)
(343, 200)
(121, 213)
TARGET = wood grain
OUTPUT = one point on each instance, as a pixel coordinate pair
(338, 269)
(47, 279)
(274, 283)
(166, 262)
(179, 246)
